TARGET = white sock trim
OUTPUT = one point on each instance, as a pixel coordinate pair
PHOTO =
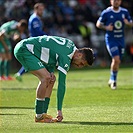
(40, 99)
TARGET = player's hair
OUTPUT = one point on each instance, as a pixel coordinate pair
(88, 55)
(23, 23)
(37, 5)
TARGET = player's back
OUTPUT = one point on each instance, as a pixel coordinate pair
(55, 44)
(9, 28)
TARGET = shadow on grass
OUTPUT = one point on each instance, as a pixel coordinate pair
(97, 123)
(6, 89)
(11, 114)
(16, 107)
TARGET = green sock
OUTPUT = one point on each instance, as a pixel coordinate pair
(39, 104)
(7, 67)
(46, 104)
(1, 67)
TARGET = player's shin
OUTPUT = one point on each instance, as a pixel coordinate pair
(1, 68)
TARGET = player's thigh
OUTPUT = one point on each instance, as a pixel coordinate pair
(42, 74)
(113, 50)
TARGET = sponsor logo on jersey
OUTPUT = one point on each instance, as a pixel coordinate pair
(118, 24)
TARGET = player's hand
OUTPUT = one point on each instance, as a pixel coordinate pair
(53, 78)
(109, 27)
(16, 37)
(59, 116)
(127, 22)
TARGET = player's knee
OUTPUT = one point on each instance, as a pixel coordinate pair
(116, 61)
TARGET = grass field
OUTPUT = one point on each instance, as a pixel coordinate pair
(90, 106)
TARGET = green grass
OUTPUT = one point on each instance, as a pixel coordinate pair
(90, 106)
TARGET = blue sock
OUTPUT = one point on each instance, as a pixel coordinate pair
(21, 71)
(113, 75)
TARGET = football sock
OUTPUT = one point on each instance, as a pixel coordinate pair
(7, 67)
(39, 104)
(1, 67)
(113, 75)
(21, 71)
(46, 104)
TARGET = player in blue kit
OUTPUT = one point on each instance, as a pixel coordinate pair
(113, 19)
(35, 27)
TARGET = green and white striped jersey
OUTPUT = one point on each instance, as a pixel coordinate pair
(52, 51)
(9, 28)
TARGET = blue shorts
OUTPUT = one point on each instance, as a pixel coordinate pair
(115, 47)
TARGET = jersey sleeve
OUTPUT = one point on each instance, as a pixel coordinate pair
(102, 17)
(63, 67)
(37, 27)
(61, 90)
(128, 17)
(63, 64)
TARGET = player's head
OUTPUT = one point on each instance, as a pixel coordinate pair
(83, 57)
(39, 8)
(22, 25)
(115, 3)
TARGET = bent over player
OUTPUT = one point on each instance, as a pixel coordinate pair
(113, 19)
(41, 55)
(10, 29)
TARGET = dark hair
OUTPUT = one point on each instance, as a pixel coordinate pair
(37, 5)
(23, 23)
(88, 55)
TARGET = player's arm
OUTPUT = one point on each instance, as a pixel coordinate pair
(37, 28)
(16, 37)
(127, 20)
(128, 23)
(3, 41)
(104, 27)
(60, 94)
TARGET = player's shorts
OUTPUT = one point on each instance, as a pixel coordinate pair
(2, 49)
(27, 59)
(115, 47)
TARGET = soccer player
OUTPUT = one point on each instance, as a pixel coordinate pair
(41, 55)
(7, 30)
(35, 27)
(113, 19)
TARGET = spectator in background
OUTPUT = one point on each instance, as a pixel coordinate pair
(7, 30)
(35, 27)
(113, 20)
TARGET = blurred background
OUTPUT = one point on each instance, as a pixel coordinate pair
(74, 19)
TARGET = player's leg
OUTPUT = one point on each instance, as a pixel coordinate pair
(7, 66)
(2, 57)
(114, 53)
(7, 61)
(19, 74)
(33, 64)
(48, 92)
(114, 71)
(43, 94)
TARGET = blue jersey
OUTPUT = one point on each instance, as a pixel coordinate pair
(116, 18)
(115, 39)
(35, 26)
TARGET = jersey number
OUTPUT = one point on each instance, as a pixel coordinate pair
(62, 41)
